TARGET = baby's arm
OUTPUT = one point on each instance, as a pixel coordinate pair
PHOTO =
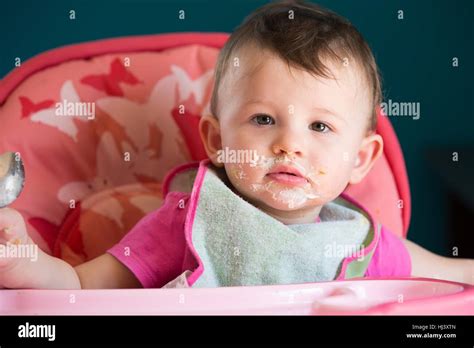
(429, 265)
(106, 272)
(103, 272)
(48, 272)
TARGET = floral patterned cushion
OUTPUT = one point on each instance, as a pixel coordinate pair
(97, 137)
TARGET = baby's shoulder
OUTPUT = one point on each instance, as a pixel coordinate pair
(177, 197)
(175, 206)
(170, 216)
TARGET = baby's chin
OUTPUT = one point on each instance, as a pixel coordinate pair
(285, 200)
(272, 195)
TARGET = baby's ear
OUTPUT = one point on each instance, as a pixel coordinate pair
(370, 150)
(210, 132)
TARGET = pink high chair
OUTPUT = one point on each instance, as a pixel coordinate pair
(136, 103)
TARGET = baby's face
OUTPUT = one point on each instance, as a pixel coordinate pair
(301, 135)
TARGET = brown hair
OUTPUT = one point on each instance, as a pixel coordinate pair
(315, 33)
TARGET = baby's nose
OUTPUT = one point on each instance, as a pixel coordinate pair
(290, 154)
(289, 145)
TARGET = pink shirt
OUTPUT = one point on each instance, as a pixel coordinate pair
(156, 251)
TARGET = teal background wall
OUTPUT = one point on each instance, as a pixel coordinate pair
(414, 55)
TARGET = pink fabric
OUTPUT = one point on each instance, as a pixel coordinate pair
(161, 250)
(391, 257)
(158, 250)
(86, 50)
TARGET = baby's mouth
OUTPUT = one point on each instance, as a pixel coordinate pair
(287, 175)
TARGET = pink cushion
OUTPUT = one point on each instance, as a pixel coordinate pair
(137, 114)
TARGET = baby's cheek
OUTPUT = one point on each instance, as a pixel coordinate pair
(240, 175)
(236, 172)
(336, 181)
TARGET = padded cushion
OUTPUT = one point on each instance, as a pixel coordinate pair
(77, 199)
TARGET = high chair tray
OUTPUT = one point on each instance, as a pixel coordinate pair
(400, 296)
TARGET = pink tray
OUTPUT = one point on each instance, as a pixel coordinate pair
(409, 296)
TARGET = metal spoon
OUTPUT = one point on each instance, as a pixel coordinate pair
(12, 178)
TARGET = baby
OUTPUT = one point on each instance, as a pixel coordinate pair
(296, 91)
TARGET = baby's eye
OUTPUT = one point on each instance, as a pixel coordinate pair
(263, 120)
(319, 127)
